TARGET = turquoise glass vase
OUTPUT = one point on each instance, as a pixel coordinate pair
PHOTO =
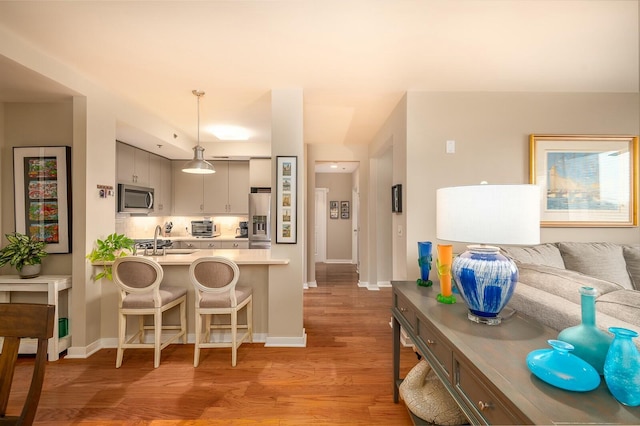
(622, 367)
(589, 342)
(558, 367)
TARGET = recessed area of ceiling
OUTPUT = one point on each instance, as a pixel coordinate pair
(336, 166)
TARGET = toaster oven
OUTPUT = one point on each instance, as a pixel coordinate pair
(204, 228)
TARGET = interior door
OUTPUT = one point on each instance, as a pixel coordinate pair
(355, 224)
(320, 249)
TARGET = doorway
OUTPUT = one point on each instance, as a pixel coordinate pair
(336, 213)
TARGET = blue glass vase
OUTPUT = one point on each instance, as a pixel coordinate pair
(559, 367)
(424, 261)
(622, 367)
(589, 342)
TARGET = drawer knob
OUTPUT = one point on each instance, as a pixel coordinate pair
(431, 342)
(484, 405)
(403, 309)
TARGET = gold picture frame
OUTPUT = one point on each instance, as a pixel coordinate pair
(585, 180)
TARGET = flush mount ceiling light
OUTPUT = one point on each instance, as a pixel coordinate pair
(229, 133)
(198, 165)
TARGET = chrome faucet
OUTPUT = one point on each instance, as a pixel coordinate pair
(155, 240)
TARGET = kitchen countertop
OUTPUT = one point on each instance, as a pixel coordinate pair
(240, 256)
(218, 238)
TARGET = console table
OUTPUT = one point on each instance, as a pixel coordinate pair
(484, 369)
(53, 285)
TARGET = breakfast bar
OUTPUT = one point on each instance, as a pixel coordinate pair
(254, 267)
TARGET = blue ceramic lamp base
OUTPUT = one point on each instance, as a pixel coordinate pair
(486, 280)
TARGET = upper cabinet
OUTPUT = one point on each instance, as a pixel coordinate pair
(188, 191)
(260, 173)
(132, 165)
(239, 187)
(160, 179)
(224, 192)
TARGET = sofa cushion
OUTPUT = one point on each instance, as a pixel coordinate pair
(600, 260)
(562, 282)
(541, 254)
(558, 313)
(621, 304)
(632, 257)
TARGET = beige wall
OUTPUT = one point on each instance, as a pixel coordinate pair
(387, 152)
(491, 131)
(286, 284)
(32, 124)
(338, 230)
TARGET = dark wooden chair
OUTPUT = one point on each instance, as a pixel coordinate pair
(19, 320)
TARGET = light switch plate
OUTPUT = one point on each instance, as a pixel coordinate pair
(451, 147)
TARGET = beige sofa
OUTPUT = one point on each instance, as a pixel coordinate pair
(551, 275)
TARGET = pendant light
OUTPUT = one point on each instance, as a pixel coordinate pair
(198, 165)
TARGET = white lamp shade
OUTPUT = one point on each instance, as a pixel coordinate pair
(489, 214)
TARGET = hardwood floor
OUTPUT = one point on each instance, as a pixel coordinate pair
(343, 376)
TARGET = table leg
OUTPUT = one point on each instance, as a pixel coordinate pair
(52, 299)
(396, 358)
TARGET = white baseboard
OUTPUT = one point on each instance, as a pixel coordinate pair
(310, 284)
(342, 261)
(287, 342)
(384, 283)
(80, 352)
(83, 352)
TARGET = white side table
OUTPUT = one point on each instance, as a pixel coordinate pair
(52, 285)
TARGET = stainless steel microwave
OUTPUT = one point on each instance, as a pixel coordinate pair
(134, 199)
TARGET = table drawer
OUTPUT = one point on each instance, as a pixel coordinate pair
(439, 349)
(478, 396)
(406, 310)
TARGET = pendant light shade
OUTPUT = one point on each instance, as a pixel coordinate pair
(198, 165)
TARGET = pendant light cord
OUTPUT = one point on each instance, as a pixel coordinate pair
(198, 94)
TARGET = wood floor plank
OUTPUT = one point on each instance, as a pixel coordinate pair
(342, 377)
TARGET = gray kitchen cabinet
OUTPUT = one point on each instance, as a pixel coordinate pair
(216, 189)
(239, 187)
(160, 179)
(188, 191)
(132, 165)
(234, 244)
(260, 172)
(224, 192)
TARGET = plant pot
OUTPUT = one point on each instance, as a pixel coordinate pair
(30, 271)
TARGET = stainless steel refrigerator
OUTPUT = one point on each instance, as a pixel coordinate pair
(259, 221)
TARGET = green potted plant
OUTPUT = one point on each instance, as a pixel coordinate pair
(23, 253)
(108, 250)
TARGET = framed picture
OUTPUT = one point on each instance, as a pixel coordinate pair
(396, 198)
(42, 191)
(585, 181)
(333, 209)
(344, 209)
(286, 203)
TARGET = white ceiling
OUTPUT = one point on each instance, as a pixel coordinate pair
(354, 59)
